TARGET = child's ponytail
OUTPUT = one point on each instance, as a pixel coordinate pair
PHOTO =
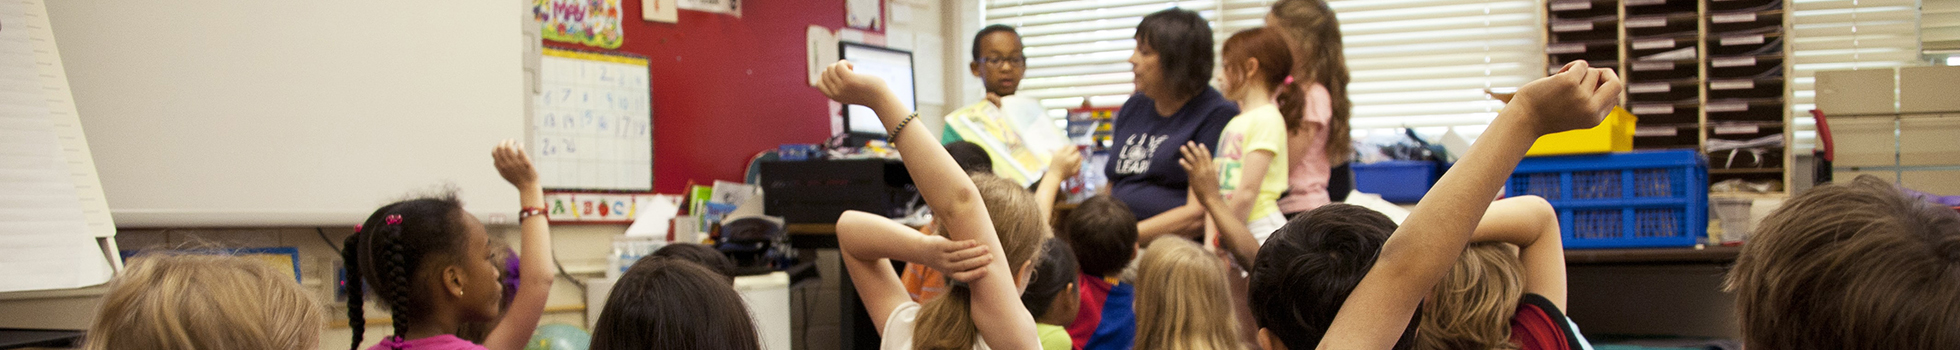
(351, 268)
(395, 269)
(948, 320)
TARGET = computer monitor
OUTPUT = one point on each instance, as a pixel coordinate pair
(895, 67)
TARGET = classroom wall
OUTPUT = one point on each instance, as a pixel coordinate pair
(725, 88)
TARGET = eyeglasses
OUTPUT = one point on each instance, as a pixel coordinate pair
(1010, 62)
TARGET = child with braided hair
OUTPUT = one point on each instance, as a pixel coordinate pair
(430, 263)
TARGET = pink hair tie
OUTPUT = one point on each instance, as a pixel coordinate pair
(393, 219)
(1289, 80)
(357, 227)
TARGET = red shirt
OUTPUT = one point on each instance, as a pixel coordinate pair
(1540, 325)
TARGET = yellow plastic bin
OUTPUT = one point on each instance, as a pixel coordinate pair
(1615, 134)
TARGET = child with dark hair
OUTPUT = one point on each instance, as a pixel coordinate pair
(430, 263)
(970, 157)
(667, 302)
(1104, 235)
(700, 254)
(993, 236)
(1172, 106)
(1000, 64)
(1855, 265)
(1345, 277)
(1051, 296)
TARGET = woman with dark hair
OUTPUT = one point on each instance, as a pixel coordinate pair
(1172, 106)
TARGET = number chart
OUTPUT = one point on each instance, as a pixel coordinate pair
(593, 124)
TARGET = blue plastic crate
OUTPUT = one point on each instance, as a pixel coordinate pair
(1399, 181)
(1621, 200)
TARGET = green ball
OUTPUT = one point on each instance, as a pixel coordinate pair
(559, 336)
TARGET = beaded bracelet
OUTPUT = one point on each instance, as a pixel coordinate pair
(901, 127)
(529, 212)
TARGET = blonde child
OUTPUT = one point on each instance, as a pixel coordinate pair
(430, 263)
(208, 302)
(1183, 301)
(1508, 289)
(1854, 265)
(995, 233)
(1336, 278)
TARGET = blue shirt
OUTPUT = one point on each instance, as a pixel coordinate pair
(1142, 169)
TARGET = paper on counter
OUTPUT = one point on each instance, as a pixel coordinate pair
(658, 213)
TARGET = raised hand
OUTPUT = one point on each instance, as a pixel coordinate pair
(842, 83)
(1203, 175)
(964, 261)
(1577, 97)
(514, 164)
(1066, 163)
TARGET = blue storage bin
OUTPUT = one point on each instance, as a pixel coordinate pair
(1399, 181)
(1621, 200)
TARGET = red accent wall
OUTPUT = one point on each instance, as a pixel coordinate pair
(725, 88)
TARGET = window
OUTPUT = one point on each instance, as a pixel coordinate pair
(1840, 35)
(1414, 63)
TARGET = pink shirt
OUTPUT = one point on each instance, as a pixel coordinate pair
(1307, 176)
(440, 342)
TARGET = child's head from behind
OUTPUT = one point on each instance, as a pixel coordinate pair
(1851, 266)
(1103, 232)
(1183, 300)
(1306, 270)
(970, 157)
(420, 257)
(188, 301)
(1254, 58)
(700, 254)
(946, 322)
(1472, 307)
(670, 303)
(1050, 295)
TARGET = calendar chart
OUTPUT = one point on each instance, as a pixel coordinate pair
(592, 128)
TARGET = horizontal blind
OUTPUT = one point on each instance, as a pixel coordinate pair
(1831, 35)
(1417, 63)
(1939, 25)
(1413, 63)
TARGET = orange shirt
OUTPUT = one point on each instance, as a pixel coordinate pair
(921, 282)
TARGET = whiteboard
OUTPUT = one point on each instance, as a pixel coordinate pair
(293, 113)
(593, 127)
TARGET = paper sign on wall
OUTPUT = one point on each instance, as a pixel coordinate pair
(593, 124)
(665, 11)
(585, 22)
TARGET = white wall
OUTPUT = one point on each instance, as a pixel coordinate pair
(270, 113)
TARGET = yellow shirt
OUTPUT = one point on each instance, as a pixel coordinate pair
(1259, 129)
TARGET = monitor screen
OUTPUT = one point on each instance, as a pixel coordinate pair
(894, 66)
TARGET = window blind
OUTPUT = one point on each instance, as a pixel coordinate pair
(1840, 35)
(1413, 63)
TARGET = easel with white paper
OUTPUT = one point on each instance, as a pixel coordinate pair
(59, 233)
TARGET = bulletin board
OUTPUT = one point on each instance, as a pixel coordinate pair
(592, 129)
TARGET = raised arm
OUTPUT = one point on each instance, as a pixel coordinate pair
(1529, 223)
(997, 311)
(1064, 165)
(869, 242)
(1232, 231)
(534, 260)
(1422, 250)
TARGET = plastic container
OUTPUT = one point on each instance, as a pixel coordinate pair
(1621, 200)
(1399, 181)
(1615, 134)
(1734, 214)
